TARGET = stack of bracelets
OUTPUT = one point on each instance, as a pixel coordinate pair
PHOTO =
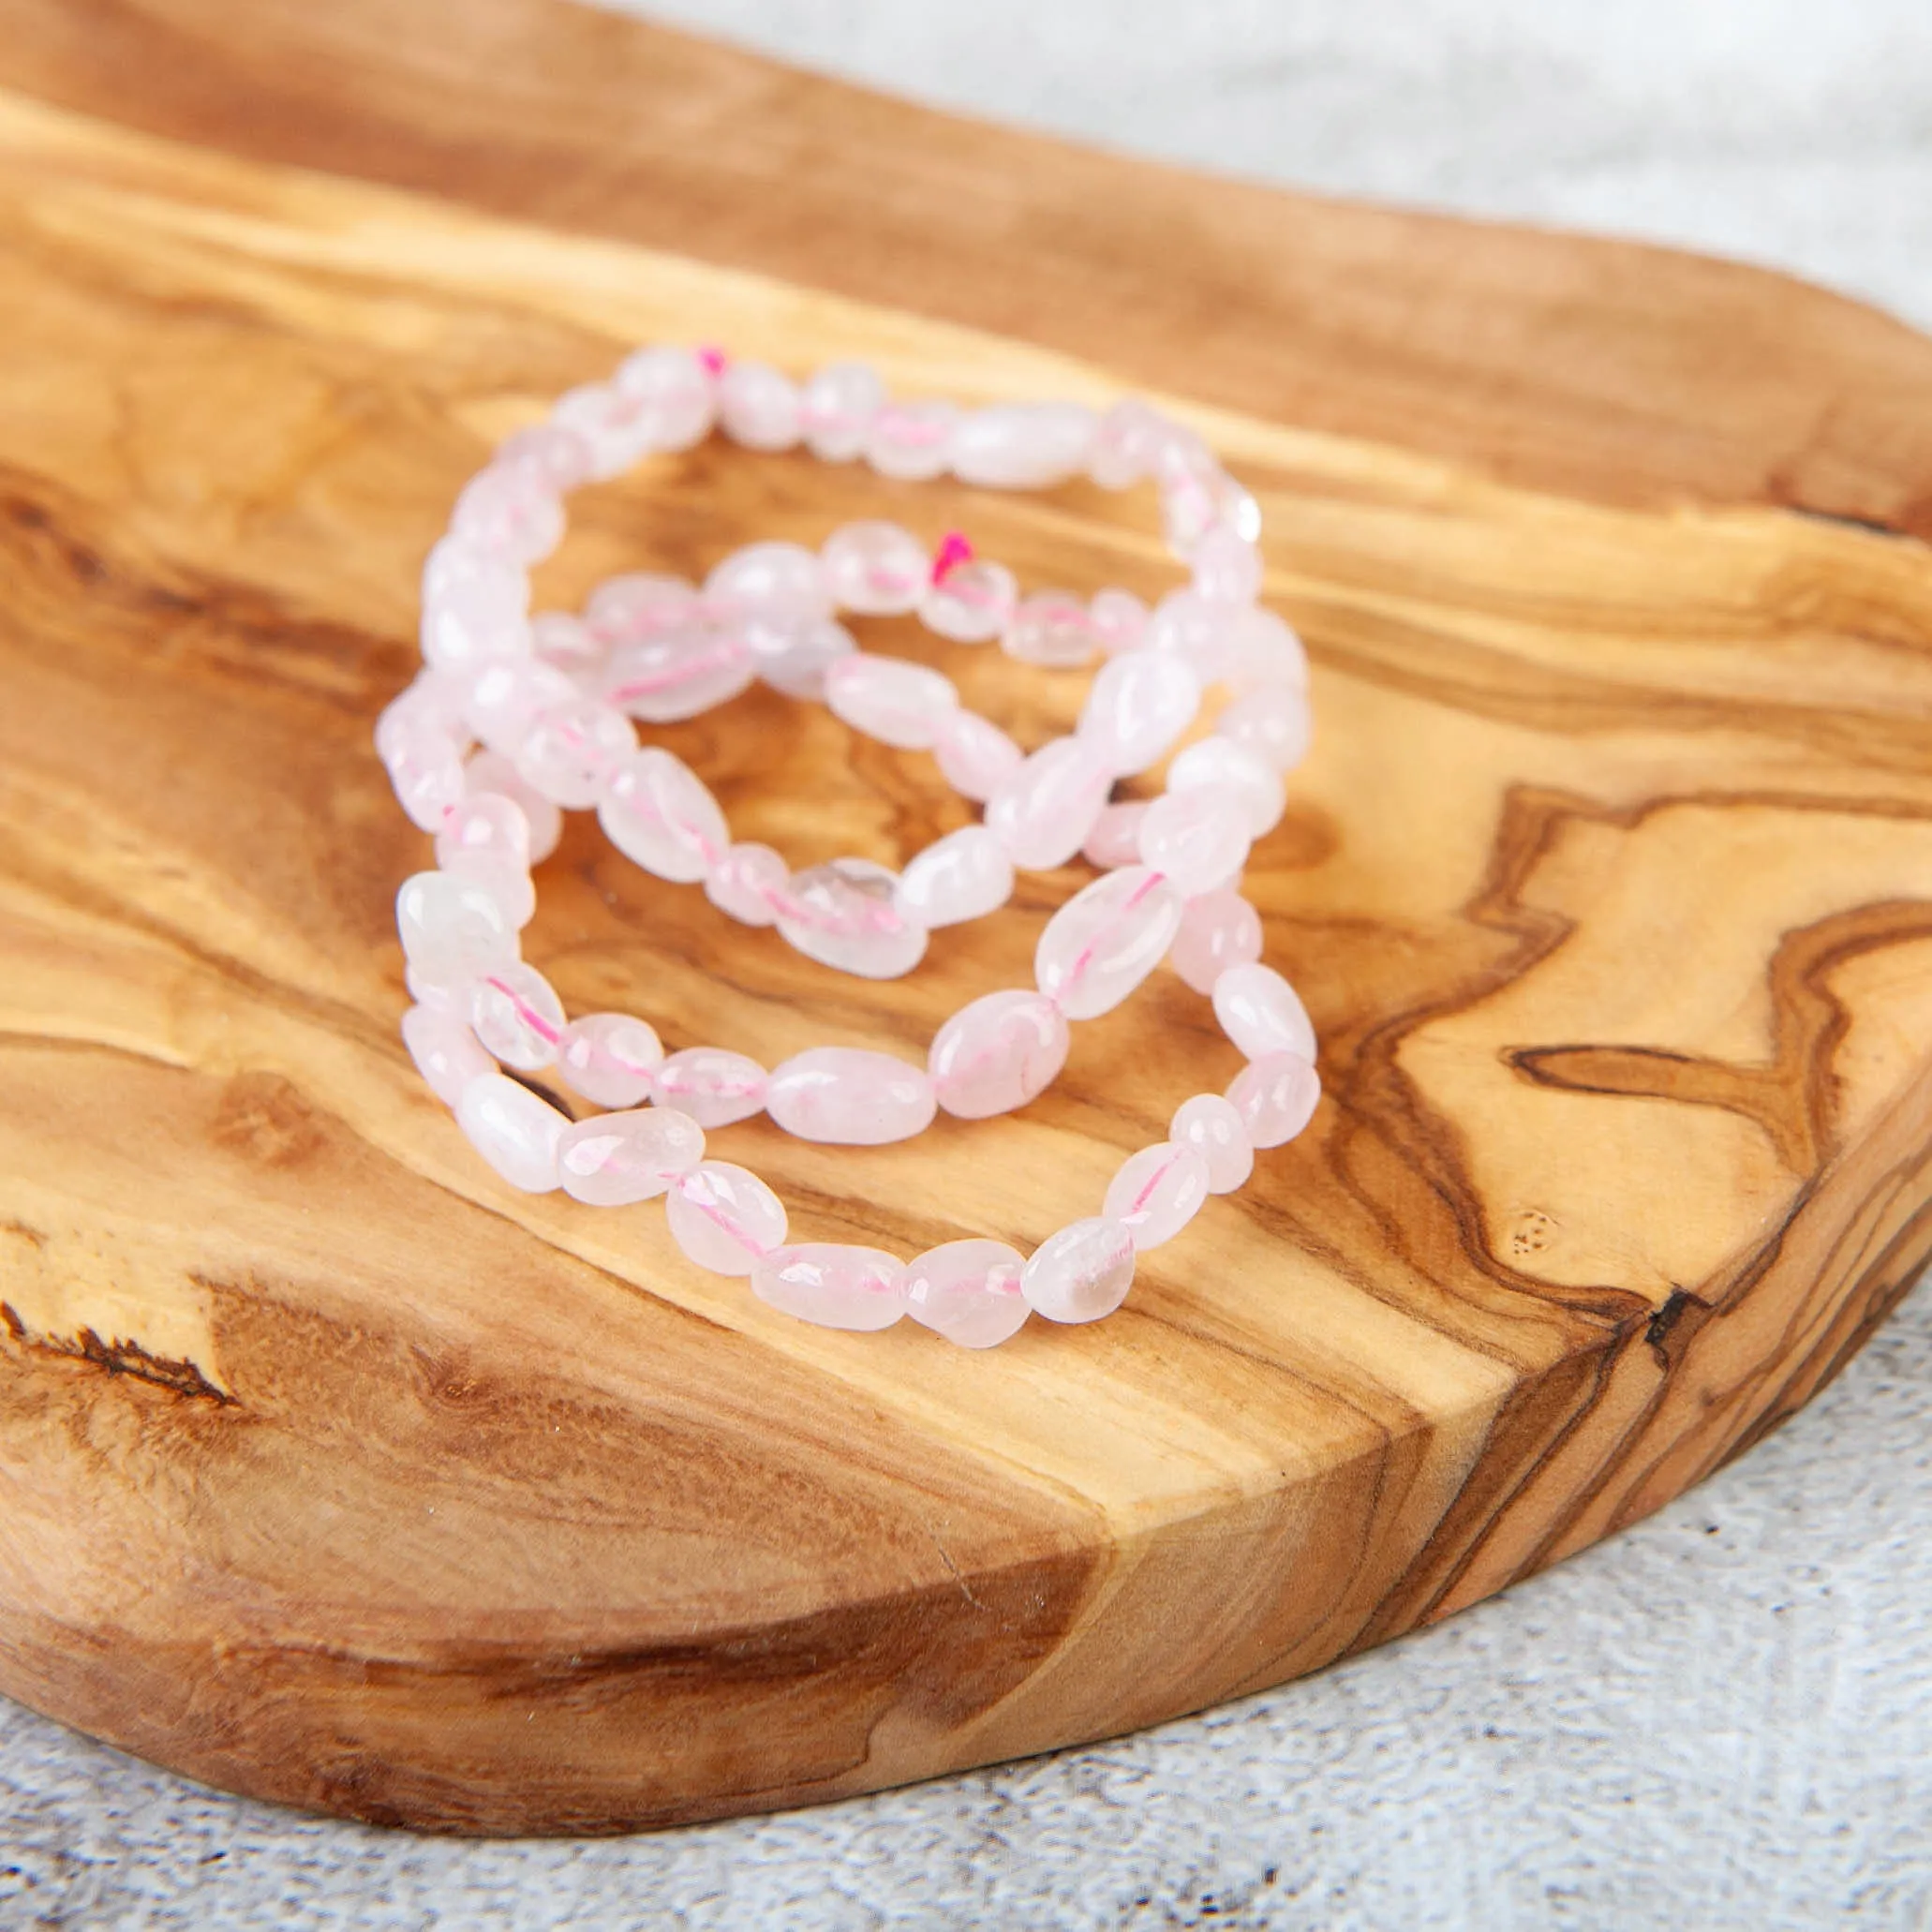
(517, 718)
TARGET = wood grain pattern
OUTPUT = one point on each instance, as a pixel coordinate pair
(335, 1472)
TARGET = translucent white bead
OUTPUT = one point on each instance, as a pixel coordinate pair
(490, 771)
(794, 655)
(612, 1160)
(1262, 650)
(511, 513)
(912, 440)
(515, 1012)
(849, 1096)
(1115, 839)
(744, 881)
(610, 1058)
(1212, 1126)
(759, 407)
(968, 1291)
(841, 913)
(571, 754)
(1044, 811)
(1216, 761)
(1261, 1013)
(1272, 720)
(657, 811)
(839, 403)
(501, 702)
(1138, 705)
(514, 1130)
(452, 928)
(1198, 838)
(1081, 1272)
(445, 1051)
(1049, 627)
(478, 613)
(724, 1217)
(1196, 494)
(616, 428)
(1218, 929)
(963, 876)
(638, 605)
(675, 390)
(1189, 626)
(678, 676)
(974, 755)
(1155, 1193)
(1275, 1097)
(972, 603)
(1023, 446)
(1126, 440)
(566, 642)
(713, 1085)
(833, 1283)
(889, 699)
(1227, 566)
(768, 578)
(1118, 619)
(998, 1053)
(548, 452)
(1106, 940)
(878, 570)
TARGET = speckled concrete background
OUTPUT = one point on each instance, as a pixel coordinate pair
(1721, 1719)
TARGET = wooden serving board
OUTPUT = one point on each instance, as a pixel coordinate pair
(332, 1471)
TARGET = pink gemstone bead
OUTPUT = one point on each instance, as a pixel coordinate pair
(724, 1217)
(875, 569)
(849, 1096)
(968, 1291)
(913, 440)
(510, 885)
(795, 655)
(501, 702)
(962, 876)
(759, 407)
(1275, 1097)
(1155, 1193)
(1227, 566)
(566, 642)
(1200, 838)
(834, 1285)
(1115, 839)
(478, 612)
(1217, 761)
(1196, 494)
(972, 603)
(612, 1160)
(1218, 929)
(452, 563)
(1118, 619)
(1273, 721)
(445, 1051)
(616, 428)
(711, 1084)
(1212, 1126)
(888, 699)
(839, 403)
(1023, 446)
(428, 775)
(657, 812)
(429, 706)
(514, 1130)
(571, 754)
(769, 578)
(998, 1053)
(1138, 705)
(974, 755)
(511, 514)
(1261, 1013)
(1044, 811)
(1106, 940)
(552, 455)
(664, 679)
(1189, 626)
(675, 392)
(490, 771)
(1081, 1272)
(744, 881)
(453, 927)
(641, 604)
(610, 1058)
(841, 913)
(1262, 650)
(1127, 441)
(515, 1013)
(1049, 627)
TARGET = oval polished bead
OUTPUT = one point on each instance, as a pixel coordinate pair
(666, 680)
(511, 512)
(641, 604)
(453, 927)
(1080, 1272)
(484, 825)
(965, 875)
(1043, 811)
(974, 754)
(1051, 628)
(514, 888)
(712, 1084)
(1023, 446)
(834, 1284)
(490, 771)
(898, 703)
(453, 563)
(1211, 1125)
(1218, 929)
(445, 1051)
(502, 702)
(1138, 705)
(972, 603)
(610, 1058)
(998, 1052)
(849, 1096)
(1272, 720)
(514, 1130)
(837, 407)
(1115, 839)
(724, 1217)
(968, 1291)
(747, 882)
(612, 1160)
(1126, 440)
(878, 570)
(569, 754)
(1106, 940)
(558, 457)
(614, 427)
(1262, 648)
(768, 576)
(912, 440)
(1227, 566)
(478, 617)
(1261, 1013)
(1188, 626)
(515, 1013)
(1275, 1097)
(659, 812)
(427, 782)
(1215, 761)
(1200, 838)
(1118, 619)
(759, 407)
(795, 655)
(841, 913)
(1155, 1193)
(675, 397)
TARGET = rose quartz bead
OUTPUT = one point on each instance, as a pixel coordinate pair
(839, 405)
(769, 578)
(833, 1283)
(453, 927)
(638, 605)
(675, 392)
(963, 876)
(759, 407)
(502, 701)
(1273, 721)
(1023, 446)
(1127, 441)
(968, 1291)
(515, 1013)
(913, 440)
(1227, 566)
(745, 880)
(614, 427)
(428, 774)
(1081, 1272)
(490, 771)
(1275, 1097)
(1044, 811)
(1212, 1126)
(1196, 494)
(452, 563)
(657, 811)
(571, 754)
(1216, 761)
(841, 913)
(998, 1053)
(1188, 626)
(610, 1058)
(724, 1217)
(514, 1130)
(849, 1096)
(1049, 627)
(898, 703)
(1261, 1013)
(612, 1160)
(1262, 650)
(711, 1084)
(1115, 839)
(974, 755)
(1106, 940)
(1218, 929)
(663, 679)
(794, 655)
(1155, 1193)
(438, 995)
(1138, 705)
(972, 603)
(511, 514)
(558, 457)
(511, 887)
(429, 705)
(1118, 619)
(478, 612)
(1200, 838)
(876, 568)
(566, 642)
(445, 1051)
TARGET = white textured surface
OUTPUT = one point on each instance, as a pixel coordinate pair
(1721, 1719)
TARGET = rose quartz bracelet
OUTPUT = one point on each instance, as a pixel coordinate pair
(551, 699)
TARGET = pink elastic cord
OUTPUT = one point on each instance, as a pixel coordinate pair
(714, 359)
(954, 550)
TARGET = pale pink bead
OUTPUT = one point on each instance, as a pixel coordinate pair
(445, 1051)
(509, 512)
(612, 1160)
(963, 876)
(1275, 1097)
(663, 679)
(769, 578)
(571, 754)
(614, 427)
(475, 615)
(428, 774)
(1127, 441)
(484, 825)
(1138, 705)
(841, 913)
(1262, 650)
(1272, 720)
(839, 405)
(1212, 1126)
(566, 641)
(759, 407)
(657, 812)
(713, 1085)
(1247, 775)
(998, 1053)
(876, 568)
(511, 887)
(972, 603)
(675, 390)
(453, 564)
(849, 1096)
(1115, 839)
(1044, 811)
(968, 1291)
(913, 440)
(1261, 1013)
(610, 1058)
(794, 655)
(490, 771)
(1155, 1193)
(1118, 619)
(514, 1130)
(1218, 929)
(1227, 566)
(515, 1012)
(1049, 627)
(453, 927)
(558, 457)
(1200, 838)
(724, 1217)
(1196, 494)
(438, 995)
(1106, 940)
(898, 703)
(833, 1283)
(639, 604)
(1189, 626)
(974, 755)
(1081, 1272)
(746, 881)
(429, 705)
(1023, 446)
(502, 701)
